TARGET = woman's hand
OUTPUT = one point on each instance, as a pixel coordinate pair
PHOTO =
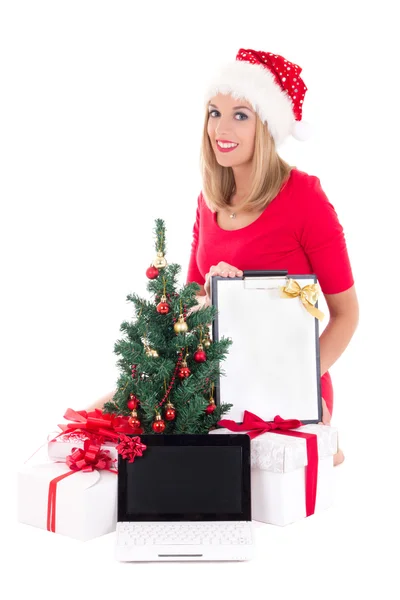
(224, 270)
(338, 458)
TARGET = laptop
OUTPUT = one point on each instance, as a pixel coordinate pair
(187, 498)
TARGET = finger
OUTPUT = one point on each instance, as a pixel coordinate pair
(225, 270)
(234, 272)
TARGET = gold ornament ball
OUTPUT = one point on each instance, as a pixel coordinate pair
(180, 326)
(159, 262)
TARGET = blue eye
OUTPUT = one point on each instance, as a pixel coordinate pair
(241, 114)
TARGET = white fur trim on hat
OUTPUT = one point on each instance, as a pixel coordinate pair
(257, 85)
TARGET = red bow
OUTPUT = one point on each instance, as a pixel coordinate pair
(130, 447)
(89, 458)
(256, 426)
(105, 427)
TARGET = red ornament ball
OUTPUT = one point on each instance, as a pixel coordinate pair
(163, 308)
(152, 273)
(200, 356)
(158, 426)
(134, 422)
(210, 408)
(183, 372)
(170, 414)
(132, 404)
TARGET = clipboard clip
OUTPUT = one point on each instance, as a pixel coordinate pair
(262, 280)
(280, 274)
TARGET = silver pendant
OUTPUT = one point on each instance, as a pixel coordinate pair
(233, 215)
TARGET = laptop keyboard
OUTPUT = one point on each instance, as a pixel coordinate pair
(188, 533)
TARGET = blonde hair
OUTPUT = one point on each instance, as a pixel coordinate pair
(269, 173)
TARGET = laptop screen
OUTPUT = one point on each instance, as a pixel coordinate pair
(187, 477)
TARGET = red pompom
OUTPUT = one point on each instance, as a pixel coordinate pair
(130, 447)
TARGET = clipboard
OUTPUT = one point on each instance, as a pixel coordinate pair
(273, 365)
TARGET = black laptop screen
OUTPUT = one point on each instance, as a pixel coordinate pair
(185, 482)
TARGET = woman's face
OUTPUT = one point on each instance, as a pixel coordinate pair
(231, 129)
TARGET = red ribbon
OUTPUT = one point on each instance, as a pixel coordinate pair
(256, 426)
(88, 459)
(51, 502)
(96, 425)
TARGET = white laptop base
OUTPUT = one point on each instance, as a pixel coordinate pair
(206, 540)
(188, 497)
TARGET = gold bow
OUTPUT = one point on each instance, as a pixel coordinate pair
(308, 295)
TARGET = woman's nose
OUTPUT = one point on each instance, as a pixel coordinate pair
(222, 126)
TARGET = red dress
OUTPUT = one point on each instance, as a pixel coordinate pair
(299, 231)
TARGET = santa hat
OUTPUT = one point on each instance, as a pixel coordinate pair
(272, 85)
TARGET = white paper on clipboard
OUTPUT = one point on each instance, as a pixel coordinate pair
(272, 367)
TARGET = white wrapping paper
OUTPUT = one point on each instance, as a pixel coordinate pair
(86, 503)
(283, 453)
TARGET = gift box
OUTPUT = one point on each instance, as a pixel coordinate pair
(60, 446)
(79, 504)
(285, 487)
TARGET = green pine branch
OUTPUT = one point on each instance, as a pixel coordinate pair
(153, 375)
(159, 231)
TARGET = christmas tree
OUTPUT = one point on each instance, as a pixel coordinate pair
(168, 363)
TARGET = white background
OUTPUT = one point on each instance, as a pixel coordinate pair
(101, 118)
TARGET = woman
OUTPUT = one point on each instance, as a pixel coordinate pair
(257, 212)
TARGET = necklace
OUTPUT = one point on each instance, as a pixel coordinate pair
(233, 214)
